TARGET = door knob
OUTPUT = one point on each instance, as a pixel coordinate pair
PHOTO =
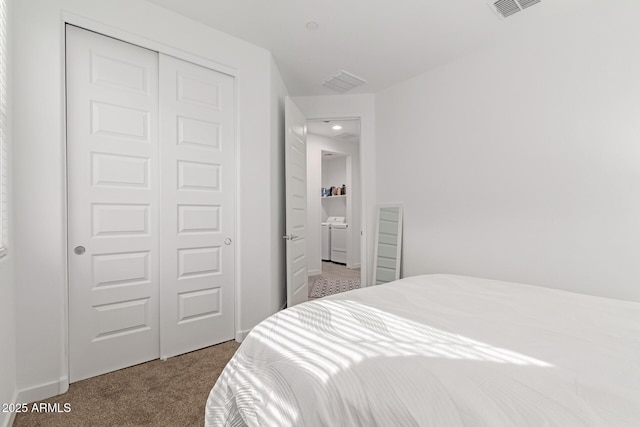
(227, 241)
(79, 250)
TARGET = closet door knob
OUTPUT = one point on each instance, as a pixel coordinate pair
(227, 241)
(79, 250)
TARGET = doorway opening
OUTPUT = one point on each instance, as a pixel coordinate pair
(334, 208)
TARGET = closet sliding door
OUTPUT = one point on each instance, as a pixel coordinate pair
(150, 159)
(113, 203)
(197, 161)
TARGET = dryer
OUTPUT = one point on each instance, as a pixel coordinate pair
(339, 240)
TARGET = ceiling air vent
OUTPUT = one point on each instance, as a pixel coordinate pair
(343, 82)
(506, 8)
(526, 3)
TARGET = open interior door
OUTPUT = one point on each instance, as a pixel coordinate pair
(296, 199)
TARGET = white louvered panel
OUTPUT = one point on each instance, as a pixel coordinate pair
(506, 7)
(526, 3)
(343, 81)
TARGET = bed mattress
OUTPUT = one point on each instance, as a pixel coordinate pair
(438, 350)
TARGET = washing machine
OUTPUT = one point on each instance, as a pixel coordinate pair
(326, 235)
(339, 240)
(326, 241)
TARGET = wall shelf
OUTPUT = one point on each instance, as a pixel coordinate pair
(334, 197)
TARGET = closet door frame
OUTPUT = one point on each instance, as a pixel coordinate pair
(144, 42)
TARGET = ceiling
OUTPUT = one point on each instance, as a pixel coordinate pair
(350, 131)
(384, 42)
(330, 155)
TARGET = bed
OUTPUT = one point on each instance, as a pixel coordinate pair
(438, 350)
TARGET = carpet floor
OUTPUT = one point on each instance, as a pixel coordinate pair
(156, 393)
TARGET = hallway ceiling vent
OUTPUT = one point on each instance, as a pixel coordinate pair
(506, 8)
(343, 81)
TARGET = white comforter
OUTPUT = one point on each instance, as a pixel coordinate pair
(438, 350)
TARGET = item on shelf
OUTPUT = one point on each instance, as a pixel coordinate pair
(334, 191)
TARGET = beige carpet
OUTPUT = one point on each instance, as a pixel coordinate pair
(170, 393)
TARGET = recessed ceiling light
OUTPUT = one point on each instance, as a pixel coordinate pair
(312, 26)
(337, 127)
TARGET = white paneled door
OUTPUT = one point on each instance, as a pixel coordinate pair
(112, 137)
(197, 134)
(296, 210)
(147, 255)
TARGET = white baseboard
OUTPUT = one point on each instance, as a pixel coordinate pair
(43, 391)
(313, 272)
(241, 335)
(34, 394)
(11, 419)
(355, 265)
(7, 418)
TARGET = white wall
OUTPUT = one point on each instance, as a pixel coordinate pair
(39, 172)
(351, 171)
(334, 173)
(353, 106)
(8, 368)
(522, 162)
